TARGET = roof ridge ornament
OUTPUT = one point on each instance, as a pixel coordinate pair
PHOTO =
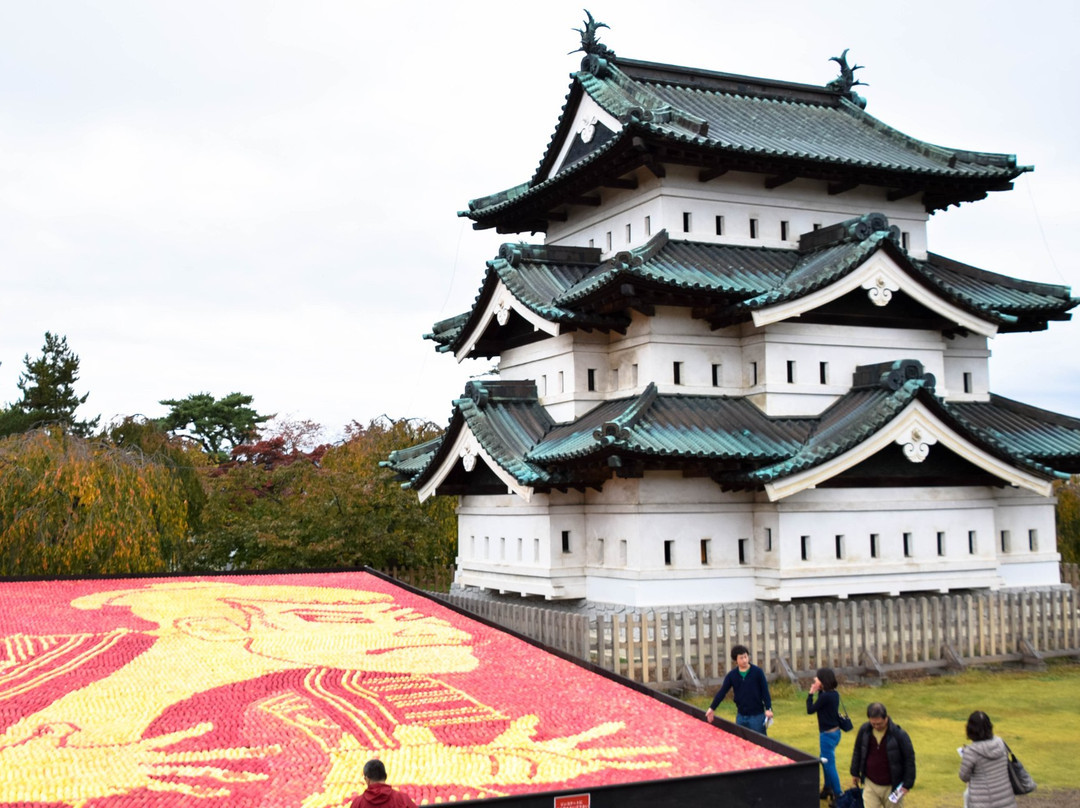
(844, 83)
(590, 42)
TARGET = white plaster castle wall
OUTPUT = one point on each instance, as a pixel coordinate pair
(620, 221)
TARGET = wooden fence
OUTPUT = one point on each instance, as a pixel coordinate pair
(430, 579)
(1070, 574)
(865, 638)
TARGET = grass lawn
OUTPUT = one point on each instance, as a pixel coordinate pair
(1037, 713)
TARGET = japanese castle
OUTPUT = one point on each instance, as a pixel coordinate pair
(734, 370)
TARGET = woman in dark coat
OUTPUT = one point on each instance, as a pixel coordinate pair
(827, 708)
(984, 766)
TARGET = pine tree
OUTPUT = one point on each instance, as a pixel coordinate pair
(48, 389)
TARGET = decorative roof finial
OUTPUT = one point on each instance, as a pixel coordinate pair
(590, 42)
(844, 83)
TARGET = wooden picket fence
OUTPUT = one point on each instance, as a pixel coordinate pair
(869, 638)
(430, 579)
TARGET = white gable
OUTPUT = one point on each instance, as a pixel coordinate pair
(498, 309)
(586, 117)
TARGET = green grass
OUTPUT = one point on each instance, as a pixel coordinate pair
(1035, 712)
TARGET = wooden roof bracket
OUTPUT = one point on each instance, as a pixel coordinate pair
(778, 180)
(836, 188)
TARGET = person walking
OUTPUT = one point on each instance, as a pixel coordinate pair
(750, 689)
(984, 766)
(827, 708)
(883, 761)
(378, 794)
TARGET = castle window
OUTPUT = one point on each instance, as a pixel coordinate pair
(543, 384)
(706, 552)
(669, 552)
(971, 542)
(839, 546)
(940, 543)
(622, 552)
(874, 545)
(600, 552)
(1006, 542)
(907, 545)
(614, 378)
(633, 375)
(648, 225)
(591, 381)
(562, 386)
(1033, 540)
(791, 372)
(676, 372)
(753, 373)
(487, 547)
(768, 540)
(521, 549)
(717, 375)
(804, 547)
(566, 541)
(784, 231)
(536, 550)
(967, 382)
(472, 546)
(592, 243)
(608, 237)
(823, 372)
(719, 225)
(753, 228)
(744, 551)
(628, 234)
(502, 548)
(905, 239)
(686, 221)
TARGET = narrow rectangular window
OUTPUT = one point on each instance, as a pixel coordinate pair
(591, 373)
(753, 373)
(543, 384)
(536, 550)
(648, 225)
(1033, 540)
(706, 552)
(967, 382)
(686, 221)
(472, 546)
(1006, 544)
(600, 552)
(614, 378)
(633, 375)
(608, 238)
(669, 552)
(566, 541)
(628, 234)
(622, 552)
(744, 551)
(940, 543)
(487, 546)
(717, 375)
(521, 550)
(592, 243)
(783, 231)
(753, 228)
(791, 372)
(971, 542)
(676, 372)
(839, 546)
(562, 384)
(905, 239)
(907, 545)
(768, 540)
(873, 545)
(502, 548)
(823, 372)
(804, 547)
(719, 225)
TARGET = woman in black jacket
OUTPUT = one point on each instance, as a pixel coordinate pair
(827, 707)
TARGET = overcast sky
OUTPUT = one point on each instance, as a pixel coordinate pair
(261, 196)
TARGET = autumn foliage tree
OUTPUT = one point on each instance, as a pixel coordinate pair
(276, 505)
(70, 506)
(1068, 520)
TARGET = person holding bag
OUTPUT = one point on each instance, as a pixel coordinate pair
(827, 707)
(984, 766)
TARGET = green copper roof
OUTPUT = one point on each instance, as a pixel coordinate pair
(727, 122)
(726, 284)
(728, 438)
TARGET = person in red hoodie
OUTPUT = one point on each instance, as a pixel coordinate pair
(378, 794)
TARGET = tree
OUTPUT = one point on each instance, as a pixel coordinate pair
(276, 506)
(48, 392)
(1068, 519)
(217, 424)
(69, 506)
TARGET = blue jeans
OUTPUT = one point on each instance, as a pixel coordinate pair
(829, 742)
(754, 722)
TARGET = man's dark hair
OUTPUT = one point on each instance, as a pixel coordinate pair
(979, 727)
(876, 709)
(827, 677)
(375, 770)
(739, 649)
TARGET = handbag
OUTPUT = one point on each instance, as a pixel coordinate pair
(1018, 776)
(852, 798)
(845, 720)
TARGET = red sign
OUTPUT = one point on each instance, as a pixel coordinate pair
(572, 801)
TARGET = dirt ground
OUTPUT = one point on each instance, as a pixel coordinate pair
(1061, 798)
